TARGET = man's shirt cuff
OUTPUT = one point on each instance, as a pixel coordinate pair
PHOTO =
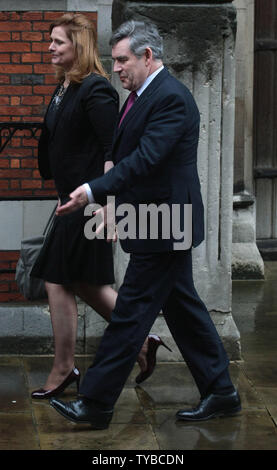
(89, 193)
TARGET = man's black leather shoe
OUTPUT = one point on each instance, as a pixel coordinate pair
(211, 406)
(83, 410)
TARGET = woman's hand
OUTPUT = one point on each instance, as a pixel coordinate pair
(78, 199)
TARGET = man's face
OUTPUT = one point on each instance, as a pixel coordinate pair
(132, 70)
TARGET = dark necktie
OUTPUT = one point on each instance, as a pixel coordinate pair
(131, 99)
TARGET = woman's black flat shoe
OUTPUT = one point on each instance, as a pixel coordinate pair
(42, 394)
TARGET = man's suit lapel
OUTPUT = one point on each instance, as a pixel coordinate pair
(139, 103)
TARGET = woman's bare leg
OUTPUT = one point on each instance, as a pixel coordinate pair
(64, 318)
(102, 299)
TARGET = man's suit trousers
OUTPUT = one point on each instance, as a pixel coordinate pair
(155, 282)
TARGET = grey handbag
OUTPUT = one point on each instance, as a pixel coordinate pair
(30, 287)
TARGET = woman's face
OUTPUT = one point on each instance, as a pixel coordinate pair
(61, 48)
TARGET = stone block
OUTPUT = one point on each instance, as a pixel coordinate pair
(11, 231)
(35, 216)
(94, 326)
(31, 5)
(22, 219)
(244, 229)
(247, 262)
(26, 329)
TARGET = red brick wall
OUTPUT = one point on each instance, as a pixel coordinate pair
(26, 83)
(8, 286)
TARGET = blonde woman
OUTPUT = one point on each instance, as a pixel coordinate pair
(75, 146)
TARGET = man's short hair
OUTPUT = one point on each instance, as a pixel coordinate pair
(142, 35)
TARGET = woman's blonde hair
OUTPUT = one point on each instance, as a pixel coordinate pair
(82, 34)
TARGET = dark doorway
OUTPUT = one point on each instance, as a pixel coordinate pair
(265, 126)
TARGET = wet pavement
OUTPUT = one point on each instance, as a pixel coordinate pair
(144, 417)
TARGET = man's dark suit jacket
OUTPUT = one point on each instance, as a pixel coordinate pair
(155, 157)
(81, 140)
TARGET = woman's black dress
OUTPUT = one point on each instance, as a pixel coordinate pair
(67, 255)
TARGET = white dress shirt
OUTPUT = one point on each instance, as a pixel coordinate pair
(139, 92)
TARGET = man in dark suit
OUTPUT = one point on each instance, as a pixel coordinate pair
(155, 157)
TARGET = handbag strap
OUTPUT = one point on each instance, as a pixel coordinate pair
(50, 221)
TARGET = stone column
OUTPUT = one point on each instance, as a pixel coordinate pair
(199, 41)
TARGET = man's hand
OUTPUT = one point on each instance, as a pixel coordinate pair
(108, 220)
(78, 199)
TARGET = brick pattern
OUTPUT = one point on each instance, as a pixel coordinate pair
(8, 287)
(26, 84)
